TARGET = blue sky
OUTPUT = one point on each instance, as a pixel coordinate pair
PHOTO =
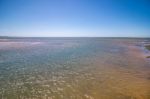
(65, 18)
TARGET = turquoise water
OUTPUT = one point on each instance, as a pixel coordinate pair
(73, 68)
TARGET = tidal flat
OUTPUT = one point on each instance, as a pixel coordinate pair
(74, 68)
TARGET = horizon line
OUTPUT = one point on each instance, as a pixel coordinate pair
(73, 37)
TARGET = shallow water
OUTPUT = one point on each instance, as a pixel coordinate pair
(74, 68)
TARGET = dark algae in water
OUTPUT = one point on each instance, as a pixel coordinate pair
(148, 57)
(147, 47)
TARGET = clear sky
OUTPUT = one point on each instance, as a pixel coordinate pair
(57, 18)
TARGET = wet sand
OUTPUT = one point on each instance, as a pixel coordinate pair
(76, 68)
